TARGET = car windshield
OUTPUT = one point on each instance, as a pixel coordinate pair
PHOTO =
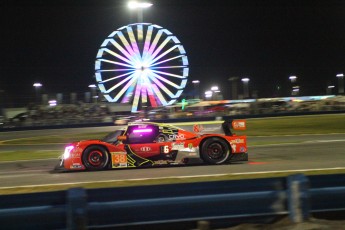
(112, 137)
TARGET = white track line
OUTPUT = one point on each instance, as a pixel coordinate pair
(176, 177)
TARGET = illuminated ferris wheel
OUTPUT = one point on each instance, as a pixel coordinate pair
(141, 63)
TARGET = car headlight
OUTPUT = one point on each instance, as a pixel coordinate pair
(68, 150)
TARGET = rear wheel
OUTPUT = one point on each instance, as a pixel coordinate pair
(215, 151)
(95, 158)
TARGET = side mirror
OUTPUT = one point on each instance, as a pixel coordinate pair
(122, 138)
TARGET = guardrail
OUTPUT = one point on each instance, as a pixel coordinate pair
(242, 200)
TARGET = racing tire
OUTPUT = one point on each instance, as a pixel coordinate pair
(215, 151)
(95, 158)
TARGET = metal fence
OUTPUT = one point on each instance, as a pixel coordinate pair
(244, 200)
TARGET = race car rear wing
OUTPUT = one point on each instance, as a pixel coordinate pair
(226, 127)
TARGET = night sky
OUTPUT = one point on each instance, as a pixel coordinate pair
(56, 42)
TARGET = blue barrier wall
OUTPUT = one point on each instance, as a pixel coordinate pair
(244, 200)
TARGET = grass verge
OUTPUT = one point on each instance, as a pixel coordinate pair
(313, 124)
(29, 155)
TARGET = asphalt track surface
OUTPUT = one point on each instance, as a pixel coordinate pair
(302, 152)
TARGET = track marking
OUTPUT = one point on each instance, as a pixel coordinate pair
(257, 163)
(175, 177)
(296, 143)
(30, 160)
(324, 141)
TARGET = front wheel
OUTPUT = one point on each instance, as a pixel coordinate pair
(215, 151)
(95, 158)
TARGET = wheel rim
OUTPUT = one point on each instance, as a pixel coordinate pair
(95, 158)
(215, 151)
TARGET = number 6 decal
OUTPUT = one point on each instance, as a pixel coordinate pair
(165, 149)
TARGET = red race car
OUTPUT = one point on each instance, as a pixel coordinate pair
(147, 144)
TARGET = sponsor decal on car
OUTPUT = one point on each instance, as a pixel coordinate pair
(145, 149)
(176, 136)
(177, 146)
(76, 166)
(237, 141)
(75, 155)
(118, 159)
(239, 124)
(198, 128)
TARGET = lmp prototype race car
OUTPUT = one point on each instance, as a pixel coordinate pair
(143, 144)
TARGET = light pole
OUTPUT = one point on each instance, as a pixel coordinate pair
(215, 90)
(37, 86)
(208, 94)
(293, 80)
(196, 88)
(295, 90)
(234, 93)
(2, 102)
(340, 77)
(139, 6)
(329, 89)
(93, 92)
(245, 87)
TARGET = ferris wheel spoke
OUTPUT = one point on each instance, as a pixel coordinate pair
(123, 90)
(151, 96)
(114, 70)
(169, 74)
(101, 51)
(155, 42)
(127, 49)
(136, 98)
(166, 60)
(116, 77)
(114, 62)
(153, 75)
(133, 43)
(146, 83)
(140, 31)
(159, 95)
(143, 94)
(169, 67)
(147, 42)
(129, 93)
(165, 89)
(163, 54)
(179, 87)
(159, 49)
(118, 84)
